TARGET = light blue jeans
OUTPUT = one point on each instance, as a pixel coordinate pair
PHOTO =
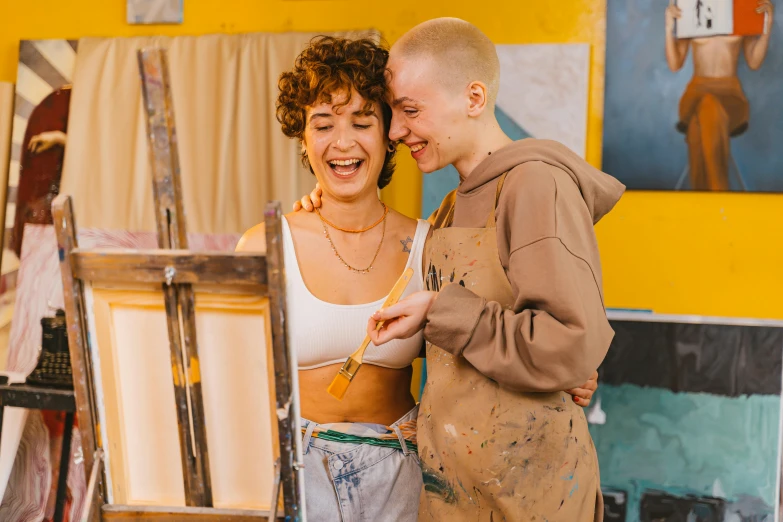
(347, 482)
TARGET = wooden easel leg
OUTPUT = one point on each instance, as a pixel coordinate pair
(195, 494)
(284, 392)
(179, 298)
(81, 361)
(187, 308)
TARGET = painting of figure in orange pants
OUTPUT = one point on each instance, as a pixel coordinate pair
(714, 108)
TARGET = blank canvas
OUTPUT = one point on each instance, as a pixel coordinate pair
(129, 342)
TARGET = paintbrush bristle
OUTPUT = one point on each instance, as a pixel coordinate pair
(344, 378)
(339, 386)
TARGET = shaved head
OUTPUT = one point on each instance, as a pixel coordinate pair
(459, 51)
(443, 78)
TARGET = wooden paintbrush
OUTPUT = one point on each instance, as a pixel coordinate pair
(346, 374)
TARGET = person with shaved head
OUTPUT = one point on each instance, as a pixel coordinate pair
(512, 310)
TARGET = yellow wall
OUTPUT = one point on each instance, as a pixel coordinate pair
(695, 253)
(688, 253)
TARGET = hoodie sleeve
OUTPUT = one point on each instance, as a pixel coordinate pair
(557, 333)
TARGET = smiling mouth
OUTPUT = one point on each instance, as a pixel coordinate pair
(345, 167)
(418, 149)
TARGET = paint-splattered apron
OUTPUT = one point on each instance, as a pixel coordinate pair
(488, 453)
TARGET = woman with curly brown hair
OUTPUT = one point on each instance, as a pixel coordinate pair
(360, 453)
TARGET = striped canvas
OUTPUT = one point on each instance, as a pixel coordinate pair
(44, 67)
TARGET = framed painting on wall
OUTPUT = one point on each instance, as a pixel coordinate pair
(155, 11)
(687, 419)
(693, 95)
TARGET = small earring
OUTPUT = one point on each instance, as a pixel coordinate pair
(392, 147)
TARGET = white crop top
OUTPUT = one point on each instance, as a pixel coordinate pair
(340, 329)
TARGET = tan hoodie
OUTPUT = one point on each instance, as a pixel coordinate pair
(557, 333)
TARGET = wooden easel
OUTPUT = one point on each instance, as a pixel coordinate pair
(176, 270)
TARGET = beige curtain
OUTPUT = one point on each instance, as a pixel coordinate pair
(233, 155)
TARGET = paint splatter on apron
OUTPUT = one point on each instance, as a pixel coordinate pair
(488, 453)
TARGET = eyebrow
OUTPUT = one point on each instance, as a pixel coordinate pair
(320, 115)
(404, 99)
(355, 113)
(366, 113)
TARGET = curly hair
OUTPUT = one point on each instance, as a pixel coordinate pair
(327, 66)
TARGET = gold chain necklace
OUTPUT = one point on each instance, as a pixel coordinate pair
(334, 249)
(348, 230)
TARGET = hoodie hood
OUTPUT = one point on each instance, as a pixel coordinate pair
(599, 190)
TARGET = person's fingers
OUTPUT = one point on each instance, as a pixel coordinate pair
(382, 335)
(315, 197)
(591, 384)
(394, 329)
(297, 206)
(584, 403)
(390, 312)
(764, 7)
(582, 393)
(306, 204)
(373, 333)
(371, 324)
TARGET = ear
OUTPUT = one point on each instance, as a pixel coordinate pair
(478, 99)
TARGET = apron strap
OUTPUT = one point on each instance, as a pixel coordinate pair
(444, 221)
(491, 221)
(448, 220)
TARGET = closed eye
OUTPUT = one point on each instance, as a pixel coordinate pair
(323, 128)
(362, 126)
